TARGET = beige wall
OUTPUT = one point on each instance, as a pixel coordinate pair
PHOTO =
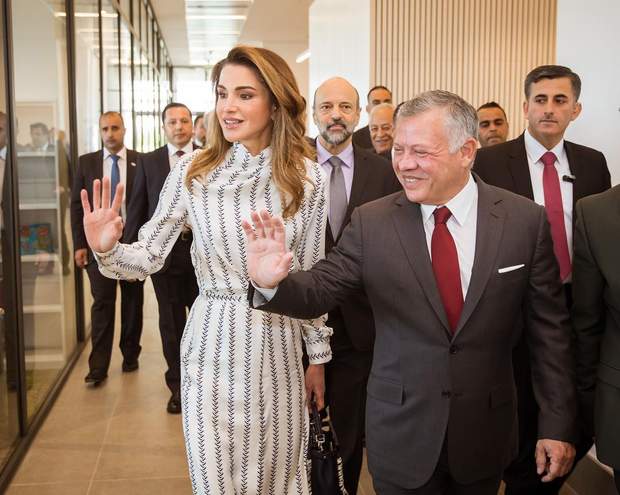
(479, 49)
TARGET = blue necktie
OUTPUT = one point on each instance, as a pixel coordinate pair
(115, 176)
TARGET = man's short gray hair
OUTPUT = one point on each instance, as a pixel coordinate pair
(461, 121)
(381, 106)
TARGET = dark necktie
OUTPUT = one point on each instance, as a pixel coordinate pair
(446, 267)
(337, 196)
(555, 213)
(115, 176)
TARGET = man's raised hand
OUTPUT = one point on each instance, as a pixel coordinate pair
(103, 224)
(268, 258)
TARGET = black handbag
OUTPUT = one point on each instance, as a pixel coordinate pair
(326, 476)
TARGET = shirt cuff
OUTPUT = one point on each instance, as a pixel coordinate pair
(261, 295)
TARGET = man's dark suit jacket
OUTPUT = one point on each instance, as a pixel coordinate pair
(90, 167)
(505, 165)
(425, 384)
(596, 318)
(151, 173)
(361, 138)
(373, 178)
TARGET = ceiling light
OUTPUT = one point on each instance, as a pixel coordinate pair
(303, 56)
(221, 17)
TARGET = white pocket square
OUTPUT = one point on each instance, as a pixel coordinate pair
(133, 164)
(510, 268)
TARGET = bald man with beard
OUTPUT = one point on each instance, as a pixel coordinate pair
(356, 176)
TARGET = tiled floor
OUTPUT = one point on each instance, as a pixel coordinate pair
(114, 439)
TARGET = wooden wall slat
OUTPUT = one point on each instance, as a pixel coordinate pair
(480, 49)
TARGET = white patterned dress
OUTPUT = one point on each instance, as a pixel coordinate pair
(242, 380)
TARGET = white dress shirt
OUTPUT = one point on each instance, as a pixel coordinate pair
(535, 151)
(172, 153)
(462, 226)
(122, 168)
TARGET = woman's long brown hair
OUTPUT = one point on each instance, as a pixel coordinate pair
(289, 146)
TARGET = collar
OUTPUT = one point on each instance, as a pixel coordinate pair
(459, 205)
(535, 150)
(121, 154)
(346, 155)
(188, 148)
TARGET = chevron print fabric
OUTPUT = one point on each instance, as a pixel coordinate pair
(242, 389)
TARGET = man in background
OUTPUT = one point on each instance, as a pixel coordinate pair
(200, 131)
(555, 173)
(118, 163)
(40, 138)
(596, 321)
(356, 176)
(175, 284)
(381, 125)
(492, 124)
(376, 96)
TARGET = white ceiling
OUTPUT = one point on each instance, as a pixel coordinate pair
(200, 32)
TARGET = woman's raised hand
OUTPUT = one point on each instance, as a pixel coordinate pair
(268, 258)
(103, 225)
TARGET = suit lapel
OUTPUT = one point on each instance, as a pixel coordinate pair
(96, 172)
(360, 176)
(520, 169)
(164, 163)
(489, 229)
(131, 172)
(575, 165)
(361, 171)
(408, 222)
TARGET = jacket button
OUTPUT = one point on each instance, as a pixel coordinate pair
(446, 394)
(454, 349)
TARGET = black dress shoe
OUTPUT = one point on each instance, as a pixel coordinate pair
(94, 379)
(129, 366)
(174, 404)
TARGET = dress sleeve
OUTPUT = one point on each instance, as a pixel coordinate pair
(156, 237)
(310, 250)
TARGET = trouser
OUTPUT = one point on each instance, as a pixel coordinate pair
(102, 313)
(175, 295)
(441, 483)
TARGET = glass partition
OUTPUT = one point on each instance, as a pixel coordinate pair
(126, 84)
(111, 65)
(87, 62)
(9, 426)
(44, 179)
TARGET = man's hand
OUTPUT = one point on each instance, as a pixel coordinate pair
(81, 257)
(554, 458)
(268, 259)
(315, 385)
(103, 225)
